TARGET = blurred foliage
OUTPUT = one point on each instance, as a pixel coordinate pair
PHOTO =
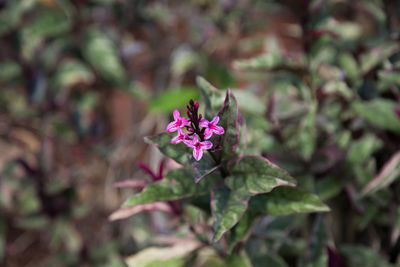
(82, 81)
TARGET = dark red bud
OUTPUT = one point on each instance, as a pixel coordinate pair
(191, 102)
(200, 117)
(196, 105)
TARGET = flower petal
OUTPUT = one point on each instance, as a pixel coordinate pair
(215, 120)
(206, 145)
(177, 139)
(208, 133)
(195, 140)
(218, 130)
(189, 143)
(184, 122)
(172, 126)
(197, 153)
(204, 123)
(176, 114)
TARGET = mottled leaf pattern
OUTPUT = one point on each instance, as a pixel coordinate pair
(252, 175)
(227, 208)
(178, 152)
(177, 184)
(286, 200)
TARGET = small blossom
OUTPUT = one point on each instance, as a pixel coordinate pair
(211, 127)
(178, 122)
(198, 147)
(180, 137)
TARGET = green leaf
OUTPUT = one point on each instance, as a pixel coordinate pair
(306, 137)
(340, 88)
(9, 70)
(32, 222)
(170, 256)
(11, 15)
(379, 112)
(245, 97)
(178, 152)
(177, 184)
(183, 59)
(102, 54)
(362, 256)
(46, 24)
(268, 258)
(389, 173)
(183, 155)
(360, 150)
(72, 72)
(328, 187)
(227, 209)
(317, 244)
(377, 55)
(172, 99)
(210, 96)
(390, 77)
(285, 200)
(229, 120)
(241, 229)
(204, 167)
(350, 66)
(238, 260)
(253, 175)
(124, 213)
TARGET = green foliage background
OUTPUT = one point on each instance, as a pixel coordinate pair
(83, 81)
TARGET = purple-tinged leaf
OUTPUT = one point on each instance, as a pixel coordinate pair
(252, 175)
(389, 173)
(285, 200)
(227, 208)
(204, 167)
(131, 183)
(178, 152)
(165, 256)
(229, 115)
(177, 184)
(123, 213)
(209, 95)
(377, 55)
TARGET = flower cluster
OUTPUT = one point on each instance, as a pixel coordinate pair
(198, 130)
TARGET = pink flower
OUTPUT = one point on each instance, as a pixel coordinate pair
(180, 137)
(198, 147)
(211, 127)
(178, 122)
